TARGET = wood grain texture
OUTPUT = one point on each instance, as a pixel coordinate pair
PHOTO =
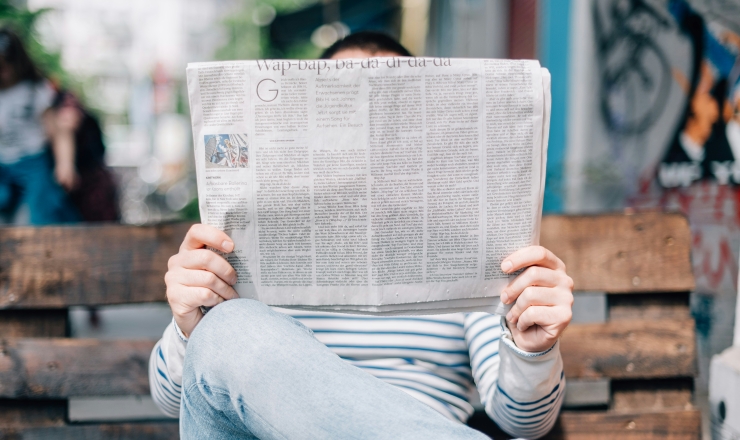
(630, 349)
(670, 425)
(648, 252)
(59, 368)
(649, 306)
(24, 413)
(632, 396)
(33, 323)
(108, 431)
(113, 264)
(78, 265)
(579, 425)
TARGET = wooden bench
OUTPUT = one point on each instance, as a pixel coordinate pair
(643, 355)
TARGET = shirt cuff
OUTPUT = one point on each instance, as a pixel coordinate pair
(179, 332)
(509, 342)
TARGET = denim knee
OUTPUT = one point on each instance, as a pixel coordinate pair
(240, 331)
(228, 319)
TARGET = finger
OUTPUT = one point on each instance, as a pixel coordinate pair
(532, 256)
(186, 299)
(533, 296)
(201, 278)
(204, 259)
(552, 320)
(201, 235)
(532, 276)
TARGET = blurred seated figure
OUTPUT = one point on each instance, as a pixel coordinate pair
(93, 191)
(26, 173)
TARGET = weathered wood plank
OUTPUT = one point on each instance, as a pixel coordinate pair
(33, 323)
(78, 265)
(113, 264)
(630, 396)
(671, 425)
(618, 253)
(58, 368)
(24, 413)
(675, 425)
(109, 431)
(579, 425)
(649, 306)
(630, 349)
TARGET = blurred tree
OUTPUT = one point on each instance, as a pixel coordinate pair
(248, 32)
(23, 22)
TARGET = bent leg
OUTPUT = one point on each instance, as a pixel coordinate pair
(251, 371)
(47, 202)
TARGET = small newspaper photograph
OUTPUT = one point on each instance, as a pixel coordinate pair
(377, 186)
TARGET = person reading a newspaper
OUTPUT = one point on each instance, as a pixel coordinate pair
(245, 370)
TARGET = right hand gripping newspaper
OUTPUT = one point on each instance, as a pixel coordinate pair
(378, 186)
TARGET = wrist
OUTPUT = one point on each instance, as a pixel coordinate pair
(64, 165)
(513, 338)
(184, 337)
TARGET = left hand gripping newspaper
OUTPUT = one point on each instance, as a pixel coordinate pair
(379, 186)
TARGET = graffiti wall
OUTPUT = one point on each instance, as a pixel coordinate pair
(660, 129)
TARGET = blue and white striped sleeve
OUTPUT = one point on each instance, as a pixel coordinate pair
(165, 370)
(522, 392)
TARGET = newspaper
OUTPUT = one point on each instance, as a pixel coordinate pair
(381, 185)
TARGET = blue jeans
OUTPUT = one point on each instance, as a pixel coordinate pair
(31, 181)
(251, 372)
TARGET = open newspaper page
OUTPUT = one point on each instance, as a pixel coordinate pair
(381, 185)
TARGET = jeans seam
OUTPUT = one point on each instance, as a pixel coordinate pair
(241, 404)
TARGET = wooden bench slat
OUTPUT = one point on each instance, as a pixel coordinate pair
(117, 431)
(670, 425)
(651, 306)
(572, 425)
(619, 253)
(580, 425)
(639, 349)
(24, 413)
(630, 396)
(57, 368)
(33, 323)
(56, 267)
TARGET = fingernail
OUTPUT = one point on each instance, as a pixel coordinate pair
(234, 280)
(506, 266)
(504, 298)
(227, 246)
(508, 316)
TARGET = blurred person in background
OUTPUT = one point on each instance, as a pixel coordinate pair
(51, 149)
(93, 190)
(26, 120)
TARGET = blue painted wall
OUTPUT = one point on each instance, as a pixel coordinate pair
(553, 52)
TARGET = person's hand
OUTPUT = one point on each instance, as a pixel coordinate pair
(68, 118)
(198, 277)
(61, 126)
(542, 295)
(66, 175)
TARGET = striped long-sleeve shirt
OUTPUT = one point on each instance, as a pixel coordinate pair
(441, 360)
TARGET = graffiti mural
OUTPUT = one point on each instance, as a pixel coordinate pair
(665, 134)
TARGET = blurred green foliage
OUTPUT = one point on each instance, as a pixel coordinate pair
(23, 22)
(246, 39)
(191, 211)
